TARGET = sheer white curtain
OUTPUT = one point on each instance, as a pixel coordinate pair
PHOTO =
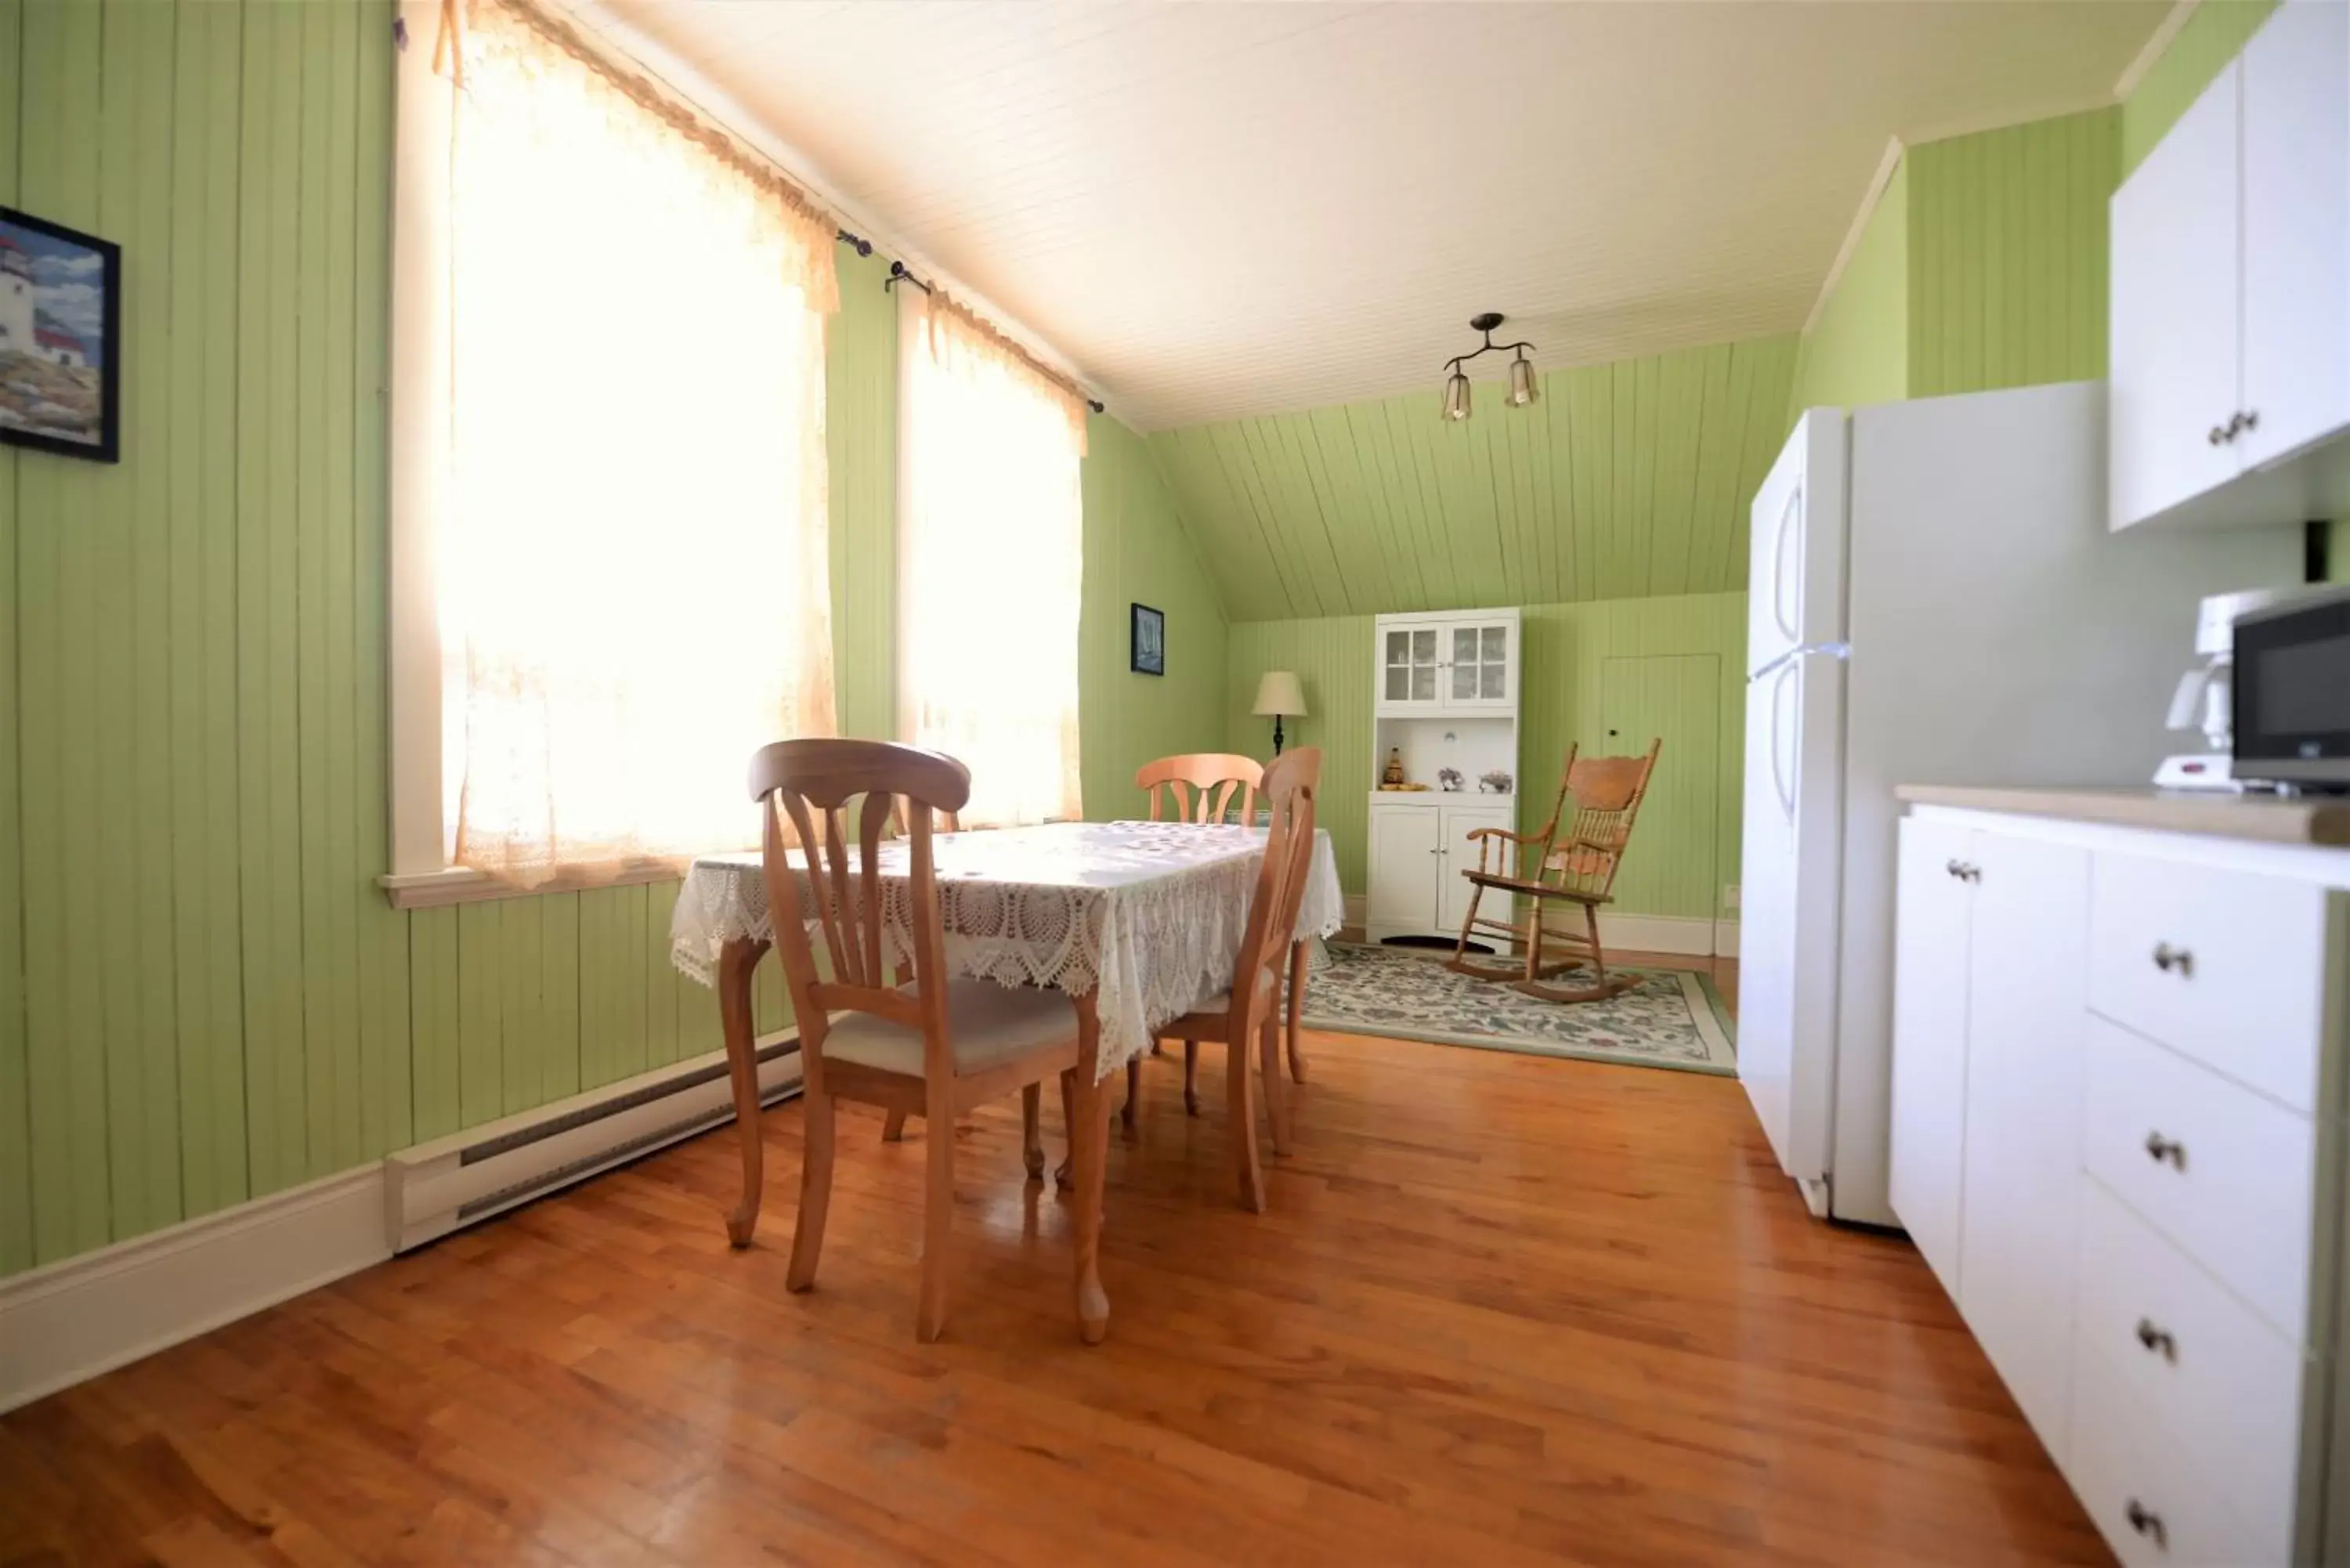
(991, 562)
(631, 554)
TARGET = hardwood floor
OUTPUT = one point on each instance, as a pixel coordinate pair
(1502, 1310)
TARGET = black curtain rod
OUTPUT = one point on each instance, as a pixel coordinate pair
(899, 273)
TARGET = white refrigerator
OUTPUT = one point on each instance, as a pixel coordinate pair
(1934, 598)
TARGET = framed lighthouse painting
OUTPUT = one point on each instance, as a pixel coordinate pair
(60, 339)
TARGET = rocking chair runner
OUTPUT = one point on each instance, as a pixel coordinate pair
(1576, 866)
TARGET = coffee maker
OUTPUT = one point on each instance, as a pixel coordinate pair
(2205, 699)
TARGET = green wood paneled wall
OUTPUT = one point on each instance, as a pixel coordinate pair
(1565, 653)
(2008, 254)
(215, 1001)
(1626, 479)
(1858, 352)
(2215, 33)
(1137, 550)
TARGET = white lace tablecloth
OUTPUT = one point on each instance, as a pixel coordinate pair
(1149, 916)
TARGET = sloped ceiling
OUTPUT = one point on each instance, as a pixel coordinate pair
(1621, 481)
(1213, 211)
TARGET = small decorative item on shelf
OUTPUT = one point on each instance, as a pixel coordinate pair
(1391, 777)
(1448, 780)
(1495, 782)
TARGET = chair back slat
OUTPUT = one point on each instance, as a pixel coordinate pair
(1291, 784)
(1200, 785)
(811, 784)
(1607, 794)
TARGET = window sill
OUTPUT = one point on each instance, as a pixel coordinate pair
(458, 885)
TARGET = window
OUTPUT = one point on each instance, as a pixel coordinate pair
(609, 576)
(990, 562)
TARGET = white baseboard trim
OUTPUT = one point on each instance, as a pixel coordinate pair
(1725, 939)
(1354, 905)
(1657, 933)
(84, 1315)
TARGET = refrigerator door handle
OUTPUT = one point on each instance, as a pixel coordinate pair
(1804, 650)
(1779, 565)
(1779, 784)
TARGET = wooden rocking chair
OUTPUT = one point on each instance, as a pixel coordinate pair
(1578, 866)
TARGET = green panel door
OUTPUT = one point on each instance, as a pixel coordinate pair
(1675, 697)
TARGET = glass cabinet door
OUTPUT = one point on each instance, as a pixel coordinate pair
(1493, 663)
(1410, 662)
(1464, 664)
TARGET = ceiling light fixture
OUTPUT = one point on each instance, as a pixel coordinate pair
(1522, 387)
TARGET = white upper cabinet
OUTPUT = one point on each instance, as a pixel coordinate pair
(2297, 173)
(1465, 664)
(2229, 313)
(2174, 348)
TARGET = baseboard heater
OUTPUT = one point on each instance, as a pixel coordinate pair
(452, 1183)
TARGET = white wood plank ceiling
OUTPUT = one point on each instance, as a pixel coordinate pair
(1220, 210)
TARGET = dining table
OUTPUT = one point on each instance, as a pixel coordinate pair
(1138, 922)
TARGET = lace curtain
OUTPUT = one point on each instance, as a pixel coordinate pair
(991, 562)
(631, 575)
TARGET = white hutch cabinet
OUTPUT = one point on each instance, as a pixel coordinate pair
(1446, 696)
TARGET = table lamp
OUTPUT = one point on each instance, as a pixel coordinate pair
(1279, 696)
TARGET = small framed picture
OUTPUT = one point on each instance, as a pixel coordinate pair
(1150, 636)
(60, 339)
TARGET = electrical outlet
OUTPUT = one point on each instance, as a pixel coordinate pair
(1729, 896)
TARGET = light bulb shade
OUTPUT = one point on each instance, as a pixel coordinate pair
(1278, 693)
(1523, 389)
(1456, 396)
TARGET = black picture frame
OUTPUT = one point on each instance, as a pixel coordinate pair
(52, 278)
(1146, 641)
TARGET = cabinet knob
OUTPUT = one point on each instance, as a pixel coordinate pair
(2250, 420)
(2158, 1340)
(2170, 959)
(2166, 1151)
(2218, 434)
(1964, 872)
(2147, 1522)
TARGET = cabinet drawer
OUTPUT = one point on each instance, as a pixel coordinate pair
(2223, 1173)
(2154, 1510)
(2223, 1385)
(2225, 966)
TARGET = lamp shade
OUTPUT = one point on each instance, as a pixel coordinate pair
(1278, 695)
(1456, 396)
(1523, 389)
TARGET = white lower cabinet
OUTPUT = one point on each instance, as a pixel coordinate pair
(1989, 1015)
(2127, 1170)
(1418, 852)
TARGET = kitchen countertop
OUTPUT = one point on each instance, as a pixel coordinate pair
(2323, 821)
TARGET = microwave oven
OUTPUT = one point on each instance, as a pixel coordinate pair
(2292, 692)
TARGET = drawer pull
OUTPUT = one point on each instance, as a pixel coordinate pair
(2167, 958)
(2158, 1340)
(1964, 872)
(2160, 1149)
(2147, 1522)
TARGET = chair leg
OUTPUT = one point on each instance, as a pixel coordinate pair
(815, 1183)
(1276, 1091)
(1032, 1132)
(1133, 1090)
(1534, 944)
(1598, 959)
(1300, 960)
(1190, 1077)
(893, 1126)
(938, 1216)
(1063, 1171)
(1242, 1108)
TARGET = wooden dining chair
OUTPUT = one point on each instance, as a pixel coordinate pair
(1199, 786)
(928, 1042)
(1575, 864)
(1250, 1010)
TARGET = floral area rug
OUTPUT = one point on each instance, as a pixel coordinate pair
(1673, 1017)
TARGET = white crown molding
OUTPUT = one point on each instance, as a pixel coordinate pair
(2158, 44)
(84, 1315)
(696, 90)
